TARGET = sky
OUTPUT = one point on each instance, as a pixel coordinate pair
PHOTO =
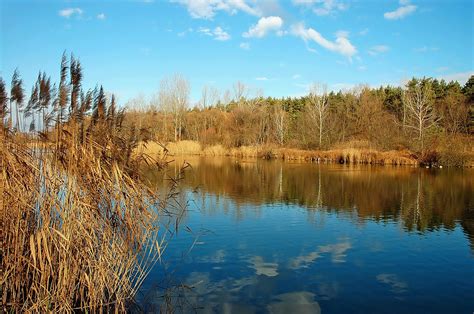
(278, 47)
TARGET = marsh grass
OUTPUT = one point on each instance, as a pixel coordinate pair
(349, 153)
(79, 231)
(81, 227)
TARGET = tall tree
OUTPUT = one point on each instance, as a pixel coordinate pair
(240, 92)
(468, 90)
(418, 99)
(174, 99)
(209, 97)
(318, 108)
(280, 117)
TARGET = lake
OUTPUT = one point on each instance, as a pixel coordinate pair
(268, 236)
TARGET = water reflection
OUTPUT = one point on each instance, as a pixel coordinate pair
(315, 238)
(396, 284)
(422, 199)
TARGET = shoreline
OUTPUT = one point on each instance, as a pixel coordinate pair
(349, 155)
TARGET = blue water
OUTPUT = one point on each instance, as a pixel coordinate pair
(400, 242)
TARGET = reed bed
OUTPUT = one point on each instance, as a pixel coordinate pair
(352, 155)
(81, 228)
(79, 232)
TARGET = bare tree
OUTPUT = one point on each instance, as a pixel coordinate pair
(240, 92)
(280, 122)
(318, 106)
(174, 99)
(209, 96)
(418, 100)
(226, 97)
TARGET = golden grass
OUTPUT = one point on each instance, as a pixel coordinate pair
(79, 231)
(354, 153)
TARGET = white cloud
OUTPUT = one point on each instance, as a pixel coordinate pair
(206, 9)
(261, 78)
(264, 26)
(220, 34)
(361, 68)
(245, 46)
(341, 45)
(205, 30)
(101, 16)
(67, 13)
(217, 33)
(402, 11)
(322, 7)
(375, 50)
(296, 76)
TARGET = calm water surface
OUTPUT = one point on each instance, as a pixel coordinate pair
(306, 238)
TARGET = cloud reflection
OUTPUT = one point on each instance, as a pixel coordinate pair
(396, 284)
(337, 251)
(264, 268)
(295, 302)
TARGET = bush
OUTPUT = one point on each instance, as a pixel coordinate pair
(453, 151)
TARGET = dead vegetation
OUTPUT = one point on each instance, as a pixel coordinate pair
(80, 228)
(346, 154)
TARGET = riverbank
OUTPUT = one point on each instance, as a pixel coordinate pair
(344, 155)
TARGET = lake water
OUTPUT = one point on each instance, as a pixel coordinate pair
(267, 236)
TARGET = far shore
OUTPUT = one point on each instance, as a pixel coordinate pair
(341, 155)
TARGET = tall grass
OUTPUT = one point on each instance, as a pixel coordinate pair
(80, 227)
(350, 155)
(78, 232)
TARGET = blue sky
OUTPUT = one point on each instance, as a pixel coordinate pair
(277, 46)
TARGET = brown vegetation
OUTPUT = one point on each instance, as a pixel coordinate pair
(353, 155)
(420, 123)
(80, 228)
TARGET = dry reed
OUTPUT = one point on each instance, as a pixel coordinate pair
(353, 153)
(79, 231)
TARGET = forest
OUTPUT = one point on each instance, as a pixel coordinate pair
(428, 119)
(432, 119)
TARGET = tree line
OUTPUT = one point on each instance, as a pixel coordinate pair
(420, 116)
